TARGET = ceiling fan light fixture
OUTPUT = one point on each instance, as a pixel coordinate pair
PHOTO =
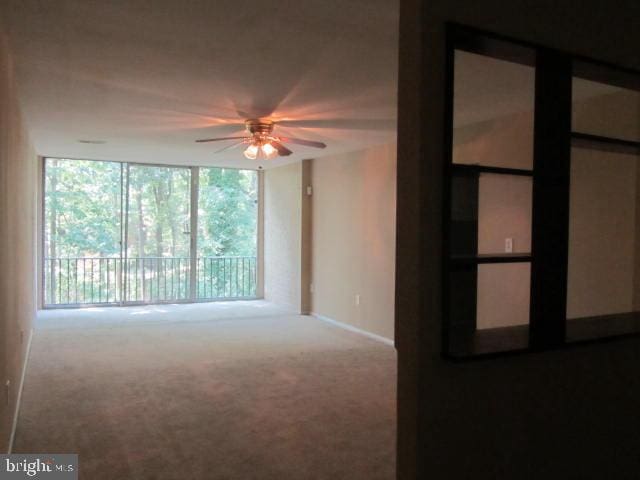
(268, 151)
(251, 152)
(261, 142)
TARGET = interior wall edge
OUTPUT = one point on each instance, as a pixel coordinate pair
(16, 413)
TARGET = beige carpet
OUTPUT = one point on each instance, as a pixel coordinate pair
(209, 392)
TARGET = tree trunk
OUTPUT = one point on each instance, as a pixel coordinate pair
(172, 223)
(53, 227)
(142, 240)
(159, 197)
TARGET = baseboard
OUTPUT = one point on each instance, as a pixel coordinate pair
(14, 425)
(351, 328)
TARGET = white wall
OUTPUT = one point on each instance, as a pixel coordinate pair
(505, 141)
(353, 212)
(614, 114)
(18, 190)
(504, 211)
(283, 235)
(602, 233)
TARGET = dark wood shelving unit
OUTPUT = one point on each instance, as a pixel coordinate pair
(553, 139)
(466, 168)
(491, 258)
(463, 262)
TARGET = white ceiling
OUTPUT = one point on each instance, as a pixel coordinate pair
(150, 77)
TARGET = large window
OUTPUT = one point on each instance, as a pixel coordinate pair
(118, 233)
(542, 198)
(227, 233)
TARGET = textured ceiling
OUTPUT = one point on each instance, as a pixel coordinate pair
(150, 77)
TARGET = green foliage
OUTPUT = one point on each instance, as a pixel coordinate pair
(82, 208)
(159, 201)
(85, 205)
(227, 212)
(90, 211)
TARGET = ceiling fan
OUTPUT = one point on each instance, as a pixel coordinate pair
(261, 141)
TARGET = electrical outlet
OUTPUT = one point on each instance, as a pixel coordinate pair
(508, 245)
(357, 300)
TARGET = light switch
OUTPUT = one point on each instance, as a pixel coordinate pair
(508, 245)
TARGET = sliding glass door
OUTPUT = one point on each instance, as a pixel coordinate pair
(157, 234)
(227, 233)
(82, 232)
(125, 233)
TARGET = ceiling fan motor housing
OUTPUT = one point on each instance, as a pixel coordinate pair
(260, 139)
(259, 127)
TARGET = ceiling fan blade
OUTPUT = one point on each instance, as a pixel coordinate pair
(373, 124)
(282, 150)
(217, 139)
(228, 147)
(299, 141)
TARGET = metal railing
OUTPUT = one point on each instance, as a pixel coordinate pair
(105, 280)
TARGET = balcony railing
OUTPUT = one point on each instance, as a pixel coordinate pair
(102, 280)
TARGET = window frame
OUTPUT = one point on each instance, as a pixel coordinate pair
(194, 194)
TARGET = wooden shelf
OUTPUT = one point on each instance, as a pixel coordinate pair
(505, 341)
(488, 343)
(492, 258)
(604, 144)
(603, 327)
(465, 168)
